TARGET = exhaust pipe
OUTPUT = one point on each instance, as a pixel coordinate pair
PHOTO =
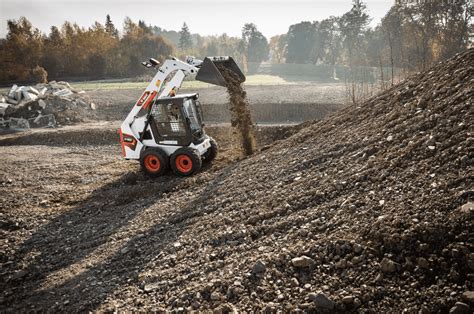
(209, 72)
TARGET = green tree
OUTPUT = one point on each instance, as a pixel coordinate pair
(352, 25)
(185, 38)
(300, 42)
(110, 27)
(255, 44)
(329, 29)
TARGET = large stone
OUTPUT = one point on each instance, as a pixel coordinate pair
(303, 262)
(341, 264)
(467, 208)
(42, 121)
(11, 93)
(460, 308)
(12, 101)
(388, 266)
(259, 267)
(423, 262)
(19, 124)
(468, 296)
(215, 296)
(348, 299)
(321, 300)
(42, 104)
(151, 287)
(3, 108)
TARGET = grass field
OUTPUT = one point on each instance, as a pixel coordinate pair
(251, 80)
(113, 84)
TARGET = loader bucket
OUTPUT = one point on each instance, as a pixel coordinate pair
(210, 73)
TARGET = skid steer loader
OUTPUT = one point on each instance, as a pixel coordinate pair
(164, 129)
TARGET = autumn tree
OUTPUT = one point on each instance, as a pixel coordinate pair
(138, 44)
(52, 58)
(22, 50)
(278, 46)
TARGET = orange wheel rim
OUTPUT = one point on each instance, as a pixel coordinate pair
(152, 163)
(184, 163)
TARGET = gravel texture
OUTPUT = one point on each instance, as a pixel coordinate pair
(370, 209)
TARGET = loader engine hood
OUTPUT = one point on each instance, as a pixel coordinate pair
(210, 73)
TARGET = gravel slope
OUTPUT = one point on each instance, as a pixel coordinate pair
(367, 210)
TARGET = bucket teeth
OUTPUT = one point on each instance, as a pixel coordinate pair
(209, 73)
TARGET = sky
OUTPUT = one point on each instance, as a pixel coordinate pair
(206, 17)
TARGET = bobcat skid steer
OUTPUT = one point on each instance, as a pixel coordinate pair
(164, 129)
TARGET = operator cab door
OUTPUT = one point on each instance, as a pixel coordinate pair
(168, 123)
(192, 110)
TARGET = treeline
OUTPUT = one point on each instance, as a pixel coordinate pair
(100, 51)
(411, 36)
(76, 52)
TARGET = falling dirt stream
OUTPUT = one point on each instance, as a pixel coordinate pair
(240, 111)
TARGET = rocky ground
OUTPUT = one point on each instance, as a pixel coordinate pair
(369, 210)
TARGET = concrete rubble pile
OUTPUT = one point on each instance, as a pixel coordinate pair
(42, 105)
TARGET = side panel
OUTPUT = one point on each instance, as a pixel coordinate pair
(170, 149)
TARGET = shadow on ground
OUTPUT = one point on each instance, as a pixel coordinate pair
(90, 227)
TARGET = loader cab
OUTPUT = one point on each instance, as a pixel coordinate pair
(177, 120)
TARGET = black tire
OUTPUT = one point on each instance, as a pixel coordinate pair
(154, 162)
(211, 153)
(185, 161)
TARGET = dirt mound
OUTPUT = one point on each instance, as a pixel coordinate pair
(368, 210)
(240, 111)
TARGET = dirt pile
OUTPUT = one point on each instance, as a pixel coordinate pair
(43, 105)
(240, 111)
(368, 210)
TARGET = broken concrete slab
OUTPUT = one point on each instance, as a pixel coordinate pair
(42, 121)
(62, 92)
(18, 94)
(3, 108)
(19, 124)
(11, 93)
(43, 91)
(32, 90)
(12, 101)
(42, 104)
(65, 84)
(36, 104)
(27, 96)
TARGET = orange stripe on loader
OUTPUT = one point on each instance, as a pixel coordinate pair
(149, 100)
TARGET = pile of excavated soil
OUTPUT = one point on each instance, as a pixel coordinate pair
(368, 210)
(240, 111)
